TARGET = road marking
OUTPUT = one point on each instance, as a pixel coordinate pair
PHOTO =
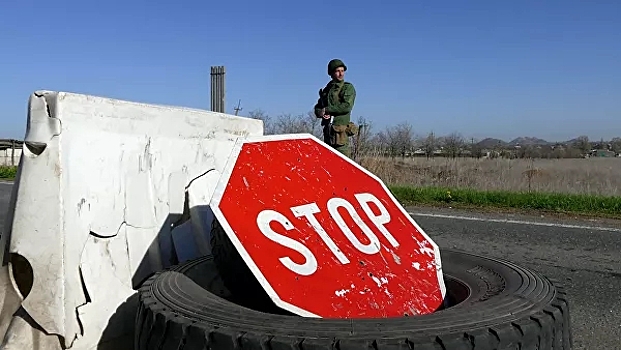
(518, 222)
(6, 183)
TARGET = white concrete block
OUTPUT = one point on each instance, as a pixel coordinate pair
(101, 182)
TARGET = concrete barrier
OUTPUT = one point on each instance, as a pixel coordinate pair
(101, 185)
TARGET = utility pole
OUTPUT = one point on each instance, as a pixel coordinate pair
(237, 109)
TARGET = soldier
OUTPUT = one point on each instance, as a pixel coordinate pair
(336, 101)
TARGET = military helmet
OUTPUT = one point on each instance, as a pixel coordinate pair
(334, 64)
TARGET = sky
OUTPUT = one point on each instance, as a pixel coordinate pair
(501, 69)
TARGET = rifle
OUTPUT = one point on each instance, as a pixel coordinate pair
(325, 123)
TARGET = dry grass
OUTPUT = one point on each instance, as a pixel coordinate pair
(595, 176)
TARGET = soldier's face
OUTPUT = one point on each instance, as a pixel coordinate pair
(339, 74)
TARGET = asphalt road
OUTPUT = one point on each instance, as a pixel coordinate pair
(5, 195)
(583, 254)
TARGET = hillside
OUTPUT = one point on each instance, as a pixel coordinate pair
(491, 143)
(528, 141)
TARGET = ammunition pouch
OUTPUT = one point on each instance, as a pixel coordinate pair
(340, 136)
(352, 129)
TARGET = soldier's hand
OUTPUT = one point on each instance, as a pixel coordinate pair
(321, 113)
(326, 116)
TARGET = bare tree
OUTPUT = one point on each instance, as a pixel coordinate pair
(582, 143)
(362, 141)
(476, 150)
(288, 123)
(453, 144)
(397, 140)
(405, 138)
(429, 144)
(314, 124)
(268, 127)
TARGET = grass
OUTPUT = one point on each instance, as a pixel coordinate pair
(574, 186)
(596, 176)
(577, 186)
(580, 204)
(7, 172)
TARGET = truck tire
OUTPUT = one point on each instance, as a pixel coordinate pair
(498, 306)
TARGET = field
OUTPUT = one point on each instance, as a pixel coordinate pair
(589, 187)
(576, 186)
(594, 176)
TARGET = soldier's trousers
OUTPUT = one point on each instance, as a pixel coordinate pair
(330, 138)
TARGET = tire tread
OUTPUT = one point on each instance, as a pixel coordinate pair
(158, 327)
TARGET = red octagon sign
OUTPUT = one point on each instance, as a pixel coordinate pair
(324, 237)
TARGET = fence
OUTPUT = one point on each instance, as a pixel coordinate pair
(10, 152)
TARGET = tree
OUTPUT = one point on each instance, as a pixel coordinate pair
(429, 144)
(453, 144)
(582, 143)
(361, 143)
(616, 144)
(398, 139)
(267, 120)
(288, 123)
(476, 150)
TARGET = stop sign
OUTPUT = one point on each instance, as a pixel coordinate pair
(323, 236)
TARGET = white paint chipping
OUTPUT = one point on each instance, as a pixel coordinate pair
(517, 222)
(379, 281)
(395, 257)
(342, 292)
(426, 250)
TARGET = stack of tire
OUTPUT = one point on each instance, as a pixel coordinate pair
(214, 302)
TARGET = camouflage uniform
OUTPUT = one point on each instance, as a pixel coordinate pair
(337, 100)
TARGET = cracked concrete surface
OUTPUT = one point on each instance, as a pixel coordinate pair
(106, 178)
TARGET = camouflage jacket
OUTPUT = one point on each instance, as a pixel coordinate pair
(338, 100)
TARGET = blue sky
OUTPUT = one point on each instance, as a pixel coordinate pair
(483, 68)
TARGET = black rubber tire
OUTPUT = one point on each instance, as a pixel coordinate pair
(507, 307)
(236, 275)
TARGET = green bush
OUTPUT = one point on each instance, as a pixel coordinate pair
(8, 172)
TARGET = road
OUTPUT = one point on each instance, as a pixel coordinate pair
(583, 254)
(5, 195)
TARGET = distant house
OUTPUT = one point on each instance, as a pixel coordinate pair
(602, 153)
(419, 153)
